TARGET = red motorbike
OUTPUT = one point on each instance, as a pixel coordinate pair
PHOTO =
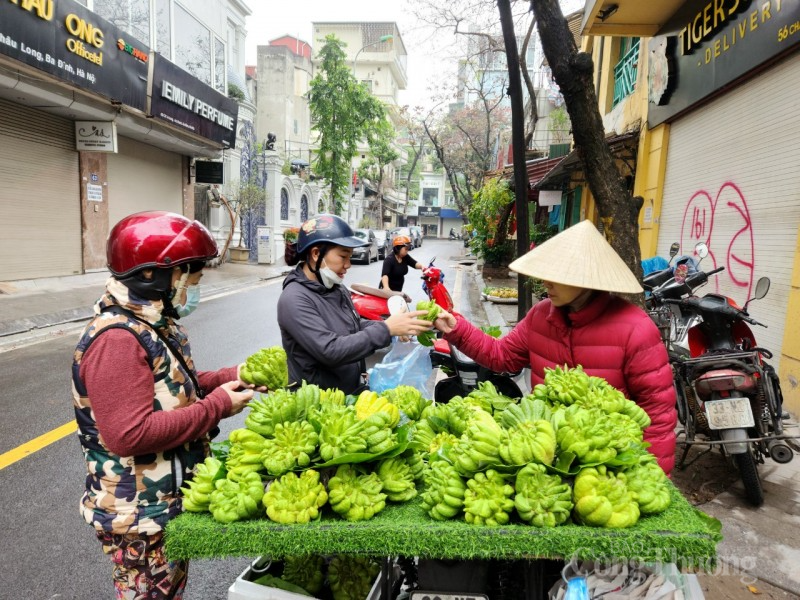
(373, 303)
(728, 395)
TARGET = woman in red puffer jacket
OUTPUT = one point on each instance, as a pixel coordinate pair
(582, 323)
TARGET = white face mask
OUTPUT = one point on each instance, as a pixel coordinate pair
(328, 277)
(192, 300)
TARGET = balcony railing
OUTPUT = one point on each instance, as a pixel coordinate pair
(625, 73)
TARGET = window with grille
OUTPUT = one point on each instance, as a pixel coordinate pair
(284, 205)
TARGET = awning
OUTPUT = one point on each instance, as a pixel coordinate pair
(536, 169)
(623, 147)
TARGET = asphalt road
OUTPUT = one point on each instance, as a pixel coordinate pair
(48, 551)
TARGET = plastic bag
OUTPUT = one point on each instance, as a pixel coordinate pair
(407, 363)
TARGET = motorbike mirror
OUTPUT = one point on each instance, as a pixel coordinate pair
(432, 261)
(397, 305)
(701, 250)
(762, 287)
(674, 249)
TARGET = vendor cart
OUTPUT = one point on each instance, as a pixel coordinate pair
(681, 535)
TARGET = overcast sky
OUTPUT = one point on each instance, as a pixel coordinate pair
(430, 54)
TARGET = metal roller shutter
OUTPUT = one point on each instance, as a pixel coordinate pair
(731, 181)
(142, 177)
(40, 228)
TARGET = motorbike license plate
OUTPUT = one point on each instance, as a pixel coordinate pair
(729, 413)
(447, 596)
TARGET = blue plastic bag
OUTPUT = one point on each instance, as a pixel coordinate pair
(407, 363)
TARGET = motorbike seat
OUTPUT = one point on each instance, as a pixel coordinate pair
(367, 290)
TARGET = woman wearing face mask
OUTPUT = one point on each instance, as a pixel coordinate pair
(187, 291)
(325, 340)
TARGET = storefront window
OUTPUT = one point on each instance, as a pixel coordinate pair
(430, 197)
(132, 16)
(219, 65)
(192, 45)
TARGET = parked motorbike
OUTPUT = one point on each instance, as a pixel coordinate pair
(728, 395)
(683, 279)
(373, 303)
(465, 374)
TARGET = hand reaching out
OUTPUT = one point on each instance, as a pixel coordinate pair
(407, 324)
(445, 322)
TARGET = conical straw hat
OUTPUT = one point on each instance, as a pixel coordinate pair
(579, 256)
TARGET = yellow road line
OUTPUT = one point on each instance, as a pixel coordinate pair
(36, 444)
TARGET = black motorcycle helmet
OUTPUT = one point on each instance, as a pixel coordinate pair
(327, 231)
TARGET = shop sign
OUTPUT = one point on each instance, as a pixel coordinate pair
(209, 171)
(183, 100)
(72, 43)
(707, 45)
(94, 192)
(96, 136)
(428, 211)
(549, 197)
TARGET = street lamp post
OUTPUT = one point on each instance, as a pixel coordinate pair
(380, 40)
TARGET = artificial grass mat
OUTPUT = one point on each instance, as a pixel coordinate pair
(680, 534)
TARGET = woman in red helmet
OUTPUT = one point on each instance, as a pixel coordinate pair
(396, 265)
(145, 415)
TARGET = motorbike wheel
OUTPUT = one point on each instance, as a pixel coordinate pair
(680, 404)
(748, 470)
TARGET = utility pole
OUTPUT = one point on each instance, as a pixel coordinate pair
(518, 148)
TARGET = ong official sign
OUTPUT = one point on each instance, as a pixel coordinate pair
(707, 45)
(185, 101)
(68, 41)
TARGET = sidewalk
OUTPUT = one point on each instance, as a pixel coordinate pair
(27, 307)
(761, 547)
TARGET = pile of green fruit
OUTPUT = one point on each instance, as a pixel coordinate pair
(500, 292)
(307, 449)
(571, 450)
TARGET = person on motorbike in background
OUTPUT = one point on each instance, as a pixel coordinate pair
(145, 416)
(583, 323)
(325, 340)
(396, 265)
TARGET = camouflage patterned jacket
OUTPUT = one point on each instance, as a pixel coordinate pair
(135, 494)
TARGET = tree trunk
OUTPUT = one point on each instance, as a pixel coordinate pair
(232, 216)
(518, 146)
(573, 72)
(523, 65)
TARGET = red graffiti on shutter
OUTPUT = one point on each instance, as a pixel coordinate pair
(730, 208)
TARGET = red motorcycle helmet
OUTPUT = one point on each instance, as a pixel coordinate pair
(156, 240)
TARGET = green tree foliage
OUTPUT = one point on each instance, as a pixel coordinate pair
(342, 113)
(489, 218)
(382, 153)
